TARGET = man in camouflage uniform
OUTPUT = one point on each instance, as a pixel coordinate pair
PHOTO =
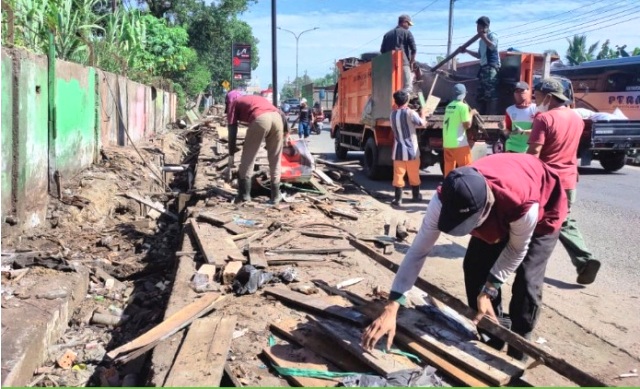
(489, 67)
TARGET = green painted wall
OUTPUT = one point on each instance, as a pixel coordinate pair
(32, 196)
(75, 117)
(7, 133)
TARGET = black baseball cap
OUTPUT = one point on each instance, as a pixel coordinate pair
(463, 196)
(483, 20)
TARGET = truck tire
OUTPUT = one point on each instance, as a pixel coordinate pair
(370, 166)
(341, 152)
(612, 162)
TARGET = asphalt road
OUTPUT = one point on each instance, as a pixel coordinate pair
(608, 213)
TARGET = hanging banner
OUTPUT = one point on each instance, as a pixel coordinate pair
(241, 61)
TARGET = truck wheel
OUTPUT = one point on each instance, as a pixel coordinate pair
(612, 162)
(341, 152)
(371, 167)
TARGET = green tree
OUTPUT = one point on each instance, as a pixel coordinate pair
(578, 51)
(636, 51)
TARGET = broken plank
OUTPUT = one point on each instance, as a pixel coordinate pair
(203, 354)
(310, 337)
(216, 220)
(287, 259)
(230, 271)
(556, 364)
(245, 235)
(288, 356)
(344, 213)
(171, 325)
(233, 228)
(332, 306)
(337, 165)
(208, 270)
(151, 204)
(229, 250)
(283, 239)
(322, 235)
(327, 250)
(231, 376)
(393, 226)
(350, 338)
(323, 176)
(207, 238)
(257, 258)
(318, 186)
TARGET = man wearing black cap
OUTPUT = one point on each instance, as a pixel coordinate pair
(489, 65)
(555, 137)
(400, 38)
(513, 205)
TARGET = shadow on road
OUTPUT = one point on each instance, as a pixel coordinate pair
(561, 284)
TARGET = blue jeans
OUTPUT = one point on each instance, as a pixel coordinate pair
(304, 129)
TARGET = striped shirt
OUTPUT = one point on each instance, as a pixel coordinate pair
(405, 141)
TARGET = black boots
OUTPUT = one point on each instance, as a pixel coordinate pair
(417, 196)
(244, 191)
(397, 200)
(276, 196)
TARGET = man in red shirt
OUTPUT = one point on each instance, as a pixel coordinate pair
(265, 122)
(555, 137)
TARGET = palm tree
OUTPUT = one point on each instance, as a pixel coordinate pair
(578, 51)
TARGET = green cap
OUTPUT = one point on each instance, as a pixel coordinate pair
(552, 86)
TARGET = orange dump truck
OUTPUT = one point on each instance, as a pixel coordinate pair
(363, 100)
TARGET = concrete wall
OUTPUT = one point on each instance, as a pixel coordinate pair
(93, 109)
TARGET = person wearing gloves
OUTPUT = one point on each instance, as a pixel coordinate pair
(513, 205)
(266, 123)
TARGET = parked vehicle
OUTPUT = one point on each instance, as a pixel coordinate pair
(294, 105)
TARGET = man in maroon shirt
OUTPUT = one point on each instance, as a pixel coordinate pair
(555, 137)
(265, 122)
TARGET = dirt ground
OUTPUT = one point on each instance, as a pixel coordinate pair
(95, 224)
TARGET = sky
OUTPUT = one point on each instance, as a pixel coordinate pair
(348, 28)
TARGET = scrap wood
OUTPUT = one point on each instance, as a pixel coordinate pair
(557, 364)
(309, 336)
(203, 353)
(245, 235)
(322, 235)
(325, 178)
(332, 306)
(327, 250)
(149, 203)
(349, 282)
(257, 258)
(291, 357)
(338, 165)
(171, 325)
(350, 339)
(318, 186)
(292, 258)
(206, 237)
(283, 239)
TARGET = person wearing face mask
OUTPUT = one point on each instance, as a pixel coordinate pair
(513, 206)
(519, 119)
(555, 137)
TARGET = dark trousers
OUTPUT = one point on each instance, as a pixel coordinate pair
(526, 291)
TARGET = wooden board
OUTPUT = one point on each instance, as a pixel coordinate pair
(350, 337)
(327, 250)
(233, 228)
(207, 237)
(322, 235)
(257, 257)
(171, 325)
(203, 354)
(556, 364)
(332, 306)
(393, 226)
(286, 355)
(228, 249)
(310, 337)
(283, 239)
(292, 258)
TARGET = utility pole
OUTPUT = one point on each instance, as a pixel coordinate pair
(297, 36)
(450, 31)
(274, 55)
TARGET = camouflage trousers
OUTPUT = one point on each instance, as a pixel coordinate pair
(488, 90)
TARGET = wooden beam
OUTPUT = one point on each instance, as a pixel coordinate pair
(283, 239)
(350, 338)
(151, 204)
(203, 354)
(556, 364)
(291, 258)
(307, 335)
(325, 306)
(322, 235)
(327, 250)
(286, 355)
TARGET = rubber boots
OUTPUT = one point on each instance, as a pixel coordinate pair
(244, 191)
(397, 200)
(417, 196)
(276, 196)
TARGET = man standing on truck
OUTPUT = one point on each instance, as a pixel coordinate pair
(519, 119)
(266, 123)
(400, 38)
(489, 66)
(457, 120)
(406, 153)
(513, 206)
(555, 137)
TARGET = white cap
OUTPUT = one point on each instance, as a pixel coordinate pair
(303, 101)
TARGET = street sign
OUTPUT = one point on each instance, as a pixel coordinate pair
(241, 61)
(225, 84)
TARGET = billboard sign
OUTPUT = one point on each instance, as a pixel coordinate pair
(241, 61)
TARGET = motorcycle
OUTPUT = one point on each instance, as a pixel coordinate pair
(316, 127)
